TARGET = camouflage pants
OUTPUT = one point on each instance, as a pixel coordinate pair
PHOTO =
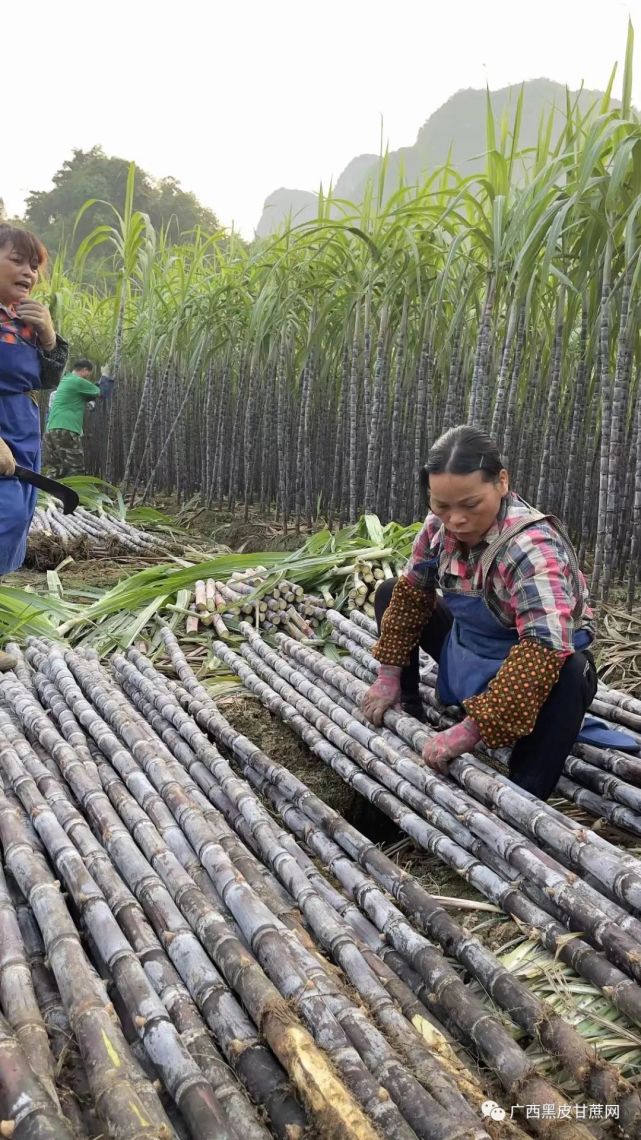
(63, 454)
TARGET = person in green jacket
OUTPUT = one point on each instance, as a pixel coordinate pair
(63, 450)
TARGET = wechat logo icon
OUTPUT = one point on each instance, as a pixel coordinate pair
(493, 1110)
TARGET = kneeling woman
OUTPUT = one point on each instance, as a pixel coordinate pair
(511, 631)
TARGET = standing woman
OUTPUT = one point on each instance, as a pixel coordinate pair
(32, 357)
(511, 632)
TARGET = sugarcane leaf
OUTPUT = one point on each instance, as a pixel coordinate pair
(374, 530)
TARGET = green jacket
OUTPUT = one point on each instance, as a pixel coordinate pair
(71, 399)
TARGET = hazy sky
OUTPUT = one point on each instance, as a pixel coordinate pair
(238, 97)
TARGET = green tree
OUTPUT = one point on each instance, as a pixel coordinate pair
(92, 174)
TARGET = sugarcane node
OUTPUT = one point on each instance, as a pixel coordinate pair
(237, 1047)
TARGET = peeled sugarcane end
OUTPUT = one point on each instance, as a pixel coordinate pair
(139, 1021)
(7, 1127)
(427, 1031)
(382, 1094)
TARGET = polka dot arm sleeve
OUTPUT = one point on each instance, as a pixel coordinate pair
(509, 707)
(409, 610)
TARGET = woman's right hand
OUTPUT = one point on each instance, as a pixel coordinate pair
(7, 462)
(383, 694)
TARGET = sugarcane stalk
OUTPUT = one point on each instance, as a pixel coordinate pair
(210, 594)
(18, 998)
(191, 625)
(200, 596)
(26, 1110)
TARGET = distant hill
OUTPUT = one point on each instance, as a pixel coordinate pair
(456, 129)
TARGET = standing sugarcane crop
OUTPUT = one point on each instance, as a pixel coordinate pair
(512, 631)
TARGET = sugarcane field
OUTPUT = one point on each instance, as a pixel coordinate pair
(320, 574)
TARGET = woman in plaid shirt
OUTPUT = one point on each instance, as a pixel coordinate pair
(511, 631)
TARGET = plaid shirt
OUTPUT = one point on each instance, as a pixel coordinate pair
(531, 587)
(52, 361)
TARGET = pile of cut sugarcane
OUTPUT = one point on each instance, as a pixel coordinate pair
(222, 955)
(366, 577)
(96, 531)
(579, 894)
(273, 601)
(279, 604)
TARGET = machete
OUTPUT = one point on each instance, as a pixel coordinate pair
(69, 498)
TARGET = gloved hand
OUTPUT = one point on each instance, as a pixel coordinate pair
(7, 462)
(383, 694)
(444, 746)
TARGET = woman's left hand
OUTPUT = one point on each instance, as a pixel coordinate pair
(446, 746)
(37, 315)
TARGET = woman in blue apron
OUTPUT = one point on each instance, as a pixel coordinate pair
(510, 630)
(32, 357)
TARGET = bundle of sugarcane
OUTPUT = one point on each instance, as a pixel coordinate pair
(281, 604)
(364, 581)
(205, 928)
(97, 532)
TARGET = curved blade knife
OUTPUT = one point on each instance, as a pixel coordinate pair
(69, 498)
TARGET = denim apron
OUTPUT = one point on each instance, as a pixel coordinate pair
(20, 429)
(478, 642)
